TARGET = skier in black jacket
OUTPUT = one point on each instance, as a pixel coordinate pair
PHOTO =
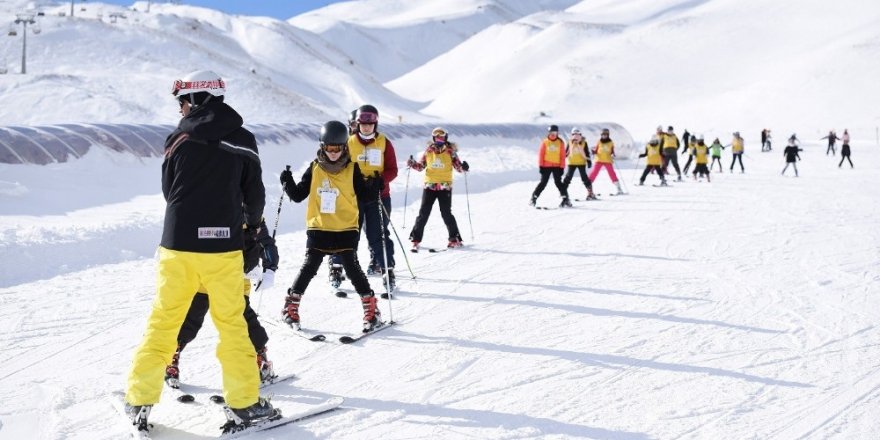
(212, 183)
(791, 155)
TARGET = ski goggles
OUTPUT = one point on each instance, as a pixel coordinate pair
(333, 148)
(367, 118)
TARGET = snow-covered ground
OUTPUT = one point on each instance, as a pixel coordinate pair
(742, 308)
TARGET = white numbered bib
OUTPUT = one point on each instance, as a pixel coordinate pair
(374, 156)
(437, 164)
(328, 201)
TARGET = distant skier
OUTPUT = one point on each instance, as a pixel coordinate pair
(258, 245)
(669, 143)
(832, 141)
(791, 155)
(716, 148)
(701, 156)
(738, 148)
(578, 155)
(766, 140)
(688, 149)
(845, 151)
(438, 161)
(653, 162)
(604, 152)
(551, 162)
(335, 187)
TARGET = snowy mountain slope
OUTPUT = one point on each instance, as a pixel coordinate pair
(715, 65)
(738, 308)
(392, 38)
(275, 72)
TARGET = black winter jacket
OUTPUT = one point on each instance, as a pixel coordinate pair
(212, 181)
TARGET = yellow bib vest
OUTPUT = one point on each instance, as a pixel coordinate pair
(552, 150)
(654, 157)
(577, 154)
(438, 166)
(371, 158)
(332, 202)
(702, 153)
(737, 145)
(603, 151)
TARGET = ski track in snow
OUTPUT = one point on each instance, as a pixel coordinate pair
(740, 308)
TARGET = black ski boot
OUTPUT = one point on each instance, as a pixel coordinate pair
(139, 415)
(336, 275)
(392, 283)
(566, 203)
(240, 418)
(534, 200)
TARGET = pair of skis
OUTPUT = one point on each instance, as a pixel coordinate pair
(320, 337)
(150, 430)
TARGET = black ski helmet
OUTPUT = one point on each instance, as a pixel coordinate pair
(553, 127)
(334, 133)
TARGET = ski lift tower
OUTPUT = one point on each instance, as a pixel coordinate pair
(24, 18)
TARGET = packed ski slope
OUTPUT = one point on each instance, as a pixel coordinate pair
(742, 308)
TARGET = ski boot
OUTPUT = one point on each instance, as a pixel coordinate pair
(241, 418)
(641, 183)
(267, 373)
(392, 284)
(372, 317)
(373, 268)
(291, 309)
(533, 201)
(139, 415)
(565, 203)
(415, 246)
(454, 243)
(619, 189)
(172, 371)
(590, 195)
(663, 183)
(336, 275)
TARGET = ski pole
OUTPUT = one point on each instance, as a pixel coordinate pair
(406, 194)
(635, 170)
(393, 229)
(280, 201)
(385, 277)
(468, 200)
(274, 230)
(617, 170)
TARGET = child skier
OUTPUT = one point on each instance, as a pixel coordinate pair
(654, 161)
(551, 162)
(335, 187)
(669, 144)
(844, 150)
(438, 161)
(578, 159)
(604, 152)
(691, 144)
(832, 141)
(738, 147)
(716, 148)
(791, 155)
(258, 245)
(701, 155)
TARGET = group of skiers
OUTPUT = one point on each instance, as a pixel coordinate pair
(215, 235)
(660, 152)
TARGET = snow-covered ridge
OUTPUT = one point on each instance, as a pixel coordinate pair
(54, 144)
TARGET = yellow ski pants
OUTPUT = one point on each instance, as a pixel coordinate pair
(180, 275)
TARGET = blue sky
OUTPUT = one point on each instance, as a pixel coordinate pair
(281, 9)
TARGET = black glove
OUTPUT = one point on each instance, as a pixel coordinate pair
(465, 166)
(250, 233)
(375, 184)
(287, 178)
